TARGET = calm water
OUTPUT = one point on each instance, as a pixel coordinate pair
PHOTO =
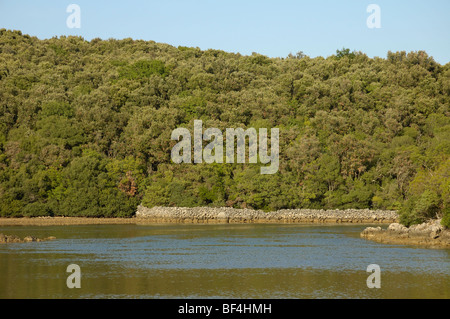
(217, 261)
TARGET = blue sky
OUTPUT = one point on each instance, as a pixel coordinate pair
(273, 28)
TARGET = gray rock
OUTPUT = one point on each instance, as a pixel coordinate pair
(219, 214)
(431, 233)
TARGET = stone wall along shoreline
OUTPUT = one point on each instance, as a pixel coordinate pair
(203, 215)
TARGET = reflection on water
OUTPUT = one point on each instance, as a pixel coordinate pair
(217, 261)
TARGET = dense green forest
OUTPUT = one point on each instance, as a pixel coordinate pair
(86, 128)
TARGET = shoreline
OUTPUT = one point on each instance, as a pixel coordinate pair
(219, 215)
(64, 221)
(224, 215)
(430, 234)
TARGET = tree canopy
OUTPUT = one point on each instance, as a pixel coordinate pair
(85, 128)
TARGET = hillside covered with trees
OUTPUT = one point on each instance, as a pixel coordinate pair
(86, 126)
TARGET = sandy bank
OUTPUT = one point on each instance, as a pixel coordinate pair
(430, 234)
(57, 221)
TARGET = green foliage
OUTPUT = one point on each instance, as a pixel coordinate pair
(37, 209)
(85, 128)
(429, 196)
(143, 69)
(446, 217)
(57, 108)
(345, 52)
(419, 209)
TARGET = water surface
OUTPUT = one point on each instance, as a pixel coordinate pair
(217, 261)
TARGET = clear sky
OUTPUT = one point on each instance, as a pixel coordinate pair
(272, 28)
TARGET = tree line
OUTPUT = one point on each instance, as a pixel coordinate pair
(86, 126)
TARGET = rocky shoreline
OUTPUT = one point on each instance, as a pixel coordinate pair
(4, 239)
(203, 215)
(430, 234)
